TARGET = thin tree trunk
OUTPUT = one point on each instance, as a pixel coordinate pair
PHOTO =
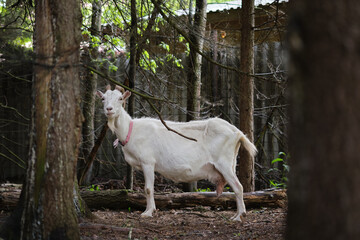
(246, 93)
(194, 72)
(215, 86)
(91, 157)
(132, 77)
(324, 191)
(49, 209)
(90, 85)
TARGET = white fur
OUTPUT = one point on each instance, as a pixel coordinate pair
(153, 148)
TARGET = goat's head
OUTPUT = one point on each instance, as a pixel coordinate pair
(113, 100)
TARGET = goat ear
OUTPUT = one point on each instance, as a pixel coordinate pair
(99, 93)
(126, 95)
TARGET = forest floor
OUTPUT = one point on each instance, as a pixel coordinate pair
(186, 223)
(189, 223)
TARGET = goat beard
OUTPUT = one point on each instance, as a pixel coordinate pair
(111, 123)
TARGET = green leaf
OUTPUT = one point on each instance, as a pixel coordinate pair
(146, 55)
(277, 160)
(165, 46)
(85, 32)
(107, 37)
(113, 68)
(110, 52)
(282, 153)
(272, 183)
(95, 39)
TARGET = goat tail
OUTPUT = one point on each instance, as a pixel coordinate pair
(249, 146)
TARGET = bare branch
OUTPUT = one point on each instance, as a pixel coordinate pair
(14, 109)
(164, 123)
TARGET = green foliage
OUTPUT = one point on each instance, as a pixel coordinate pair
(170, 58)
(93, 188)
(17, 24)
(217, 1)
(115, 15)
(203, 190)
(147, 63)
(281, 171)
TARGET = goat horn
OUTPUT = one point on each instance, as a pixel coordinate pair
(120, 88)
(108, 87)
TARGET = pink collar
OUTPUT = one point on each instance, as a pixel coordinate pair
(128, 135)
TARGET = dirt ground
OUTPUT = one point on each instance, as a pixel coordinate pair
(190, 223)
(186, 223)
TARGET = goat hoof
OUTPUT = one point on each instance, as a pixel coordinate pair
(239, 217)
(146, 215)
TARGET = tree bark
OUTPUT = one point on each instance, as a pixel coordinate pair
(90, 85)
(132, 77)
(120, 199)
(194, 72)
(56, 124)
(215, 83)
(324, 127)
(246, 94)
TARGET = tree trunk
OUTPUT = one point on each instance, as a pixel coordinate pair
(324, 127)
(246, 93)
(132, 77)
(215, 86)
(194, 71)
(90, 85)
(120, 199)
(56, 124)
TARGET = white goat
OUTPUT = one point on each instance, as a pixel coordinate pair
(150, 147)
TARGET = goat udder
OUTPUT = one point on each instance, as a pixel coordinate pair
(220, 184)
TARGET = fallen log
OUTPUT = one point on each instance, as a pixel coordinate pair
(122, 199)
(9, 196)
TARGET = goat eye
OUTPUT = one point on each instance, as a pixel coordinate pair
(102, 99)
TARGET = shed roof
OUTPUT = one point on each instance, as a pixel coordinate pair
(219, 7)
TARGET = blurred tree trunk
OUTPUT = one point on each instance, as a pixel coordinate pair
(194, 71)
(56, 124)
(132, 77)
(246, 93)
(215, 81)
(324, 182)
(90, 85)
